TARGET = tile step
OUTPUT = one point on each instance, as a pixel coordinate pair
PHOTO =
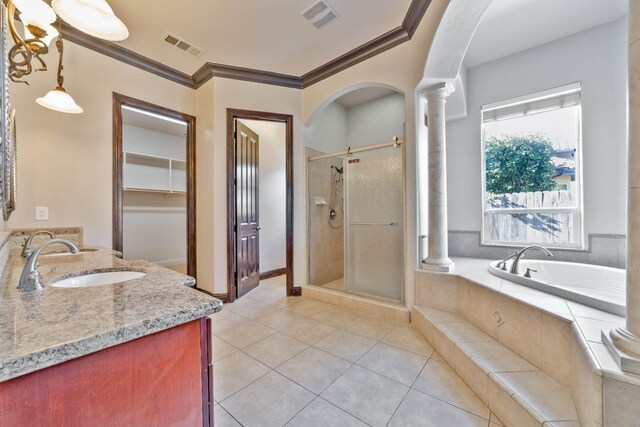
(519, 393)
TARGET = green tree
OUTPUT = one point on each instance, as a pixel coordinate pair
(519, 163)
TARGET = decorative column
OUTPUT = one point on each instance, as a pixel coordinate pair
(438, 256)
(624, 341)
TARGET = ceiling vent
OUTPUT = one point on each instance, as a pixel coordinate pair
(319, 14)
(183, 45)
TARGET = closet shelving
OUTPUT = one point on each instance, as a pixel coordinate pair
(154, 174)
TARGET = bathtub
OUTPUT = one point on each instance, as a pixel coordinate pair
(599, 287)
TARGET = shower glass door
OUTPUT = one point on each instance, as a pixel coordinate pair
(374, 250)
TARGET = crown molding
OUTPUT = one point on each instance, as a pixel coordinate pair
(386, 41)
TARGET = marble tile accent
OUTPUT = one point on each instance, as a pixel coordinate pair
(276, 349)
(556, 348)
(438, 380)
(521, 330)
(408, 339)
(621, 403)
(478, 305)
(495, 357)
(314, 369)
(392, 362)
(437, 290)
(270, 401)
(546, 396)
(439, 316)
(321, 413)
(418, 409)
(586, 385)
(346, 345)
(473, 374)
(368, 396)
(234, 373)
(463, 332)
(511, 411)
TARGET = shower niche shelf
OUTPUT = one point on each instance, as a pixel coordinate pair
(155, 174)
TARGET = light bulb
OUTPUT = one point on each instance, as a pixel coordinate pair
(94, 17)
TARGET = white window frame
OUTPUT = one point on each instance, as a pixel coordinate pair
(578, 211)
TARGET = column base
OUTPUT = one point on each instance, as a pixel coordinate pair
(622, 345)
(439, 265)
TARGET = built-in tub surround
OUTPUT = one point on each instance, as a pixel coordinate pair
(558, 337)
(596, 286)
(44, 328)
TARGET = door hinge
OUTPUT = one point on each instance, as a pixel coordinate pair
(235, 227)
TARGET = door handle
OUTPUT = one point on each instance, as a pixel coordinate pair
(258, 228)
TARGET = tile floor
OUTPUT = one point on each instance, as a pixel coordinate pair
(299, 362)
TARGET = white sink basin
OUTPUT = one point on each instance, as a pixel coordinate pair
(96, 279)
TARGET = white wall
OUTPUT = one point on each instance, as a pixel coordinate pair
(272, 193)
(598, 59)
(376, 121)
(328, 133)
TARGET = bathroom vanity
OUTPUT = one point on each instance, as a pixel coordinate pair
(129, 353)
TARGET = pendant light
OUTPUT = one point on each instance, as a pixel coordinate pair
(94, 17)
(58, 99)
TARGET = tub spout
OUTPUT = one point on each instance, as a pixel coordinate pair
(516, 261)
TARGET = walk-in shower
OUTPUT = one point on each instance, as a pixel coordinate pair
(355, 221)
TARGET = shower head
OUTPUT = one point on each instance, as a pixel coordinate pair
(339, 170)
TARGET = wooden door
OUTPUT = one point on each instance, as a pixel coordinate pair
(247, 225)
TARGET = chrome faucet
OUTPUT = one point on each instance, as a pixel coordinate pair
(502, 265)
(30, 279)
(26, 247)
(514, 265)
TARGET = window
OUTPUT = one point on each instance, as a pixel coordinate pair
(531, 150)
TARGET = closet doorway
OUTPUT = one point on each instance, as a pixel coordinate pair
(259, 209)
(154, 200)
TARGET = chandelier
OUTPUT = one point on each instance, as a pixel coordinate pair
(93, 17)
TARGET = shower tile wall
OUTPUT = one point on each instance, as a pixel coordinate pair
(326, 244)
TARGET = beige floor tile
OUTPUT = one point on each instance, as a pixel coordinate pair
(266, 295)
(335, 317)
(408, 339)
(321, 413)
(496, 357)
(221, 348)
(463, 332)
(392, 362)
(369, 327)
(495, 420)
(307, 307)
(221, 418)
(246, 334)
(314, 369)
(279, 319)
(545, 395)
(309, 331)
(251, 309)
(346, 345)
(440, 381)
(235, 372)
(366, 395)
(226, 319)
(439, 316)
(418, 409)
(270, 401)
(276, 349)
(437, 356)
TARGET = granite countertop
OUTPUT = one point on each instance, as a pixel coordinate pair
(43, 328)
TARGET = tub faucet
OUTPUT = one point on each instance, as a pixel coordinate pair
(26, 247)
(502, 265)
(516, 261)
(30, 279)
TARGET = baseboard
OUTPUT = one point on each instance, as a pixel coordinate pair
(273, 273)
(296, 291)
(222, 297)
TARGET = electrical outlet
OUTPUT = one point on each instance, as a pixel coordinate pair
(498, 317)
(42, 214)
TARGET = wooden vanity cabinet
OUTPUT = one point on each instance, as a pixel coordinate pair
(163, 379)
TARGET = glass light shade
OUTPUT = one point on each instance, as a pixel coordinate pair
(52, 33)
(59, 100)
(94, 17)
(35, 12)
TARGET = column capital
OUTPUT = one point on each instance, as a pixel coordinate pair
(438, 90)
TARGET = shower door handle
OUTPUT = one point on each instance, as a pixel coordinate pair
(388, 224)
